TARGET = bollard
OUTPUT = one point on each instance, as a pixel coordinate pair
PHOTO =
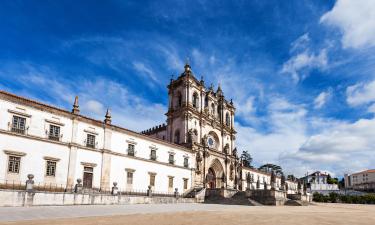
(114, 189)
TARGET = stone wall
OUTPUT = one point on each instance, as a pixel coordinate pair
(23, 198)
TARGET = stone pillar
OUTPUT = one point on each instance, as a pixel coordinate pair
(149, 191)
(72, 155)
(29, 196)
(78, 187)
(30, 183)
(176, 193)
(106, 160)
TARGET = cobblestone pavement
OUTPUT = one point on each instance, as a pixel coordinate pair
(53, 212)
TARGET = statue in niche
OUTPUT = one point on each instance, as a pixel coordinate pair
(199, 162)
(231, 169)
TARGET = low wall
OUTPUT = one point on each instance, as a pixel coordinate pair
(22, 198)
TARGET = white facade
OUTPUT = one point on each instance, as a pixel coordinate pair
(107, 159)
(254, 179)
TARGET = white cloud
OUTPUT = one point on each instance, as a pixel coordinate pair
(356, 20)
(361, 93)
(95, 95)
(322, 99)
(143, 69)
(300, 64)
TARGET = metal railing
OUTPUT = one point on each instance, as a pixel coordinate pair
(17, 130)
(54, 187)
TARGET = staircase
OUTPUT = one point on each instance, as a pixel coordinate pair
(237, 199)
(191, 193)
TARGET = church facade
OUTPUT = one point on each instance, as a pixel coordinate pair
(194, 149)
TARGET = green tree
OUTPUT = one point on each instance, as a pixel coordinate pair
(268, 168)
(246, 159)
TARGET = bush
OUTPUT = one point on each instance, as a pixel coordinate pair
(350, 199)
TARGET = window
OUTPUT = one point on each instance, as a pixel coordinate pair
(195, 100)
(213, 109)
(14, 164)
(171, 159)
(131, 148)
(18, 124)
(227, 119)
(51, 168)
(179, 99)
(152, 179)
(186, 162)
(170, 182)
(206, 101)
(90, 141)
(185, 183)
(54, 133)
(129, 177)
(177, 137)
(153, 154)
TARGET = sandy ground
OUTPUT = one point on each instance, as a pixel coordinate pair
(322, 214)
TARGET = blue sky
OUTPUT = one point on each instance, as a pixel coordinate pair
(301, 72)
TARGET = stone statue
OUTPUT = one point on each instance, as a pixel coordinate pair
(231, 168)
(199, 162)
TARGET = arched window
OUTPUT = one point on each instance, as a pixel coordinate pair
(179, 99)
(213, 109)
(195, 100)
(177, 137)
(218, 111)
(227, 119)
(206, 101)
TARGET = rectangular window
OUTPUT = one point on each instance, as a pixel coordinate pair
(90, 141)
(14, 164)
(185, 183)
(152, 180)
(153, 154)
(54, 133)
(170, 182)
(131, 148)
(186, 162)
(129, 178)
(51, 168)
(171, 159)
(18, 124)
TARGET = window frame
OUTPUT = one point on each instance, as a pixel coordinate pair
(48, 173)
(17, 126)
(14, 162)
(93, 144)
(53, 135)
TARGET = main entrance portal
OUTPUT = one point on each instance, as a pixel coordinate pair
(211, 178)
(215, 175)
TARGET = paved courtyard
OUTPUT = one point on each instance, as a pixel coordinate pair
(190, 214)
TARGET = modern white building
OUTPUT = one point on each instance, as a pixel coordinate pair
(318, 181)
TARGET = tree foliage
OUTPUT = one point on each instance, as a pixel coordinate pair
(268, 168)
(246, 159)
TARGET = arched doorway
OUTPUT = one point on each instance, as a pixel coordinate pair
(215, 175)
(211, 178)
